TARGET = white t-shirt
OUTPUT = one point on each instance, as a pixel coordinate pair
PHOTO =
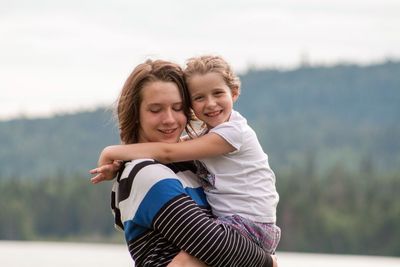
(243, 183)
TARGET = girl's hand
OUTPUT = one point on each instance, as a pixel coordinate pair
(105, 172)
(104, 158)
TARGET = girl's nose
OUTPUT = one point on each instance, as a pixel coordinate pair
(211, 101)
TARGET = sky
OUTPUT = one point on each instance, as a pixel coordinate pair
(70, 55)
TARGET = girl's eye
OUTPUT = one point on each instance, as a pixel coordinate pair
(155, 110)
(198, 98)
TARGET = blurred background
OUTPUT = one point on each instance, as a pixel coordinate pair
(320, 85)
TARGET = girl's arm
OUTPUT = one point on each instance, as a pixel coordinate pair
(206, 146)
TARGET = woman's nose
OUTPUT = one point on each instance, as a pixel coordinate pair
(169, 116)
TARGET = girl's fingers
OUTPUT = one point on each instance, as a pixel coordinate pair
(117, 164)
(96, 179)
(93, 171)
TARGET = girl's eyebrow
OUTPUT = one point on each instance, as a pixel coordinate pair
(195, 94)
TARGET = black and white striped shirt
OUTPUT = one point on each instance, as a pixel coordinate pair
(162, 210)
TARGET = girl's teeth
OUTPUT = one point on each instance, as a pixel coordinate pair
(211, 114)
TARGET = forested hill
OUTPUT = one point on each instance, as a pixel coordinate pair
(61, 145)
(345, 114)
(314, 116)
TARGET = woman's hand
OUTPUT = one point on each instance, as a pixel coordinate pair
(105, 172)
(183, 259)
(274, 261)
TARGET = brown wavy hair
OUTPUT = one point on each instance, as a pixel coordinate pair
(210, 63)
(128, 103)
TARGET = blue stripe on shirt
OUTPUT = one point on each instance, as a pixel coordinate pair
(198, 195)
(159, 195)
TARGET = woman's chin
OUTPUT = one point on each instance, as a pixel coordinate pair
(169, 139)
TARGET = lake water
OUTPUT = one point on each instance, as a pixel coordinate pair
(46, 254)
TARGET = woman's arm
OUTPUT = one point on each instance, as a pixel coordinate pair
(184, 259)
(209, 145)
(184, 224)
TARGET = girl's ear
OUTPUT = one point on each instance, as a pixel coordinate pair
(235, 93)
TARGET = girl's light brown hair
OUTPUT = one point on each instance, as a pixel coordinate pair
(128, 103)
(209, 63)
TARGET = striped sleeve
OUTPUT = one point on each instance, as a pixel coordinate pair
(183, 223)
(142, 190)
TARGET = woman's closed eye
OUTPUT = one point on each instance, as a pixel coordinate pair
(178, 107)
(155, 110)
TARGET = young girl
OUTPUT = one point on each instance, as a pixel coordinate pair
(239, 184)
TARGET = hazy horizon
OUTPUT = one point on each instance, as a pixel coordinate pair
(109, 105)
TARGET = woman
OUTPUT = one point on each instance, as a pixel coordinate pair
(162, 208)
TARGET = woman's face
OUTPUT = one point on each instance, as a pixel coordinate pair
(161, 113)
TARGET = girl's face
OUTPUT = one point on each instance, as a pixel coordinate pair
(212, 99)
(161, 113)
